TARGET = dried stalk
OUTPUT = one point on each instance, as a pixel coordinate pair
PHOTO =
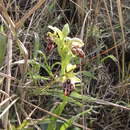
(119, 7)
(8, 80)
(113, 35)
(82, 87)
(80, 10)
(6, 17)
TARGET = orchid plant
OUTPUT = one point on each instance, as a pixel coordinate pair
(68, 48)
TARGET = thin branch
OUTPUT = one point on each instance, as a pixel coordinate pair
(7, 76)
(6, 110)
(6, 100)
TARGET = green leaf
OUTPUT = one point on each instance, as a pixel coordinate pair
(59, 94)
(36, 44)
(58, 111)
(82, 97)
(57, 63)
(45, 65)
(66, 30)
(66, 125)
(69, 99)
(111, 57)
(24, 125)
(76, 95)
(38, 77)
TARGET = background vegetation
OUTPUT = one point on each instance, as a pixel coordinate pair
(34, 67)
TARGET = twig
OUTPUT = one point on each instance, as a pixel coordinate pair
(6, 100)
(7, 76)
(100, 101)
(6, 110)
(3, 92)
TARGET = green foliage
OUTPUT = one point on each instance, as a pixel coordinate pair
(64, 46)
(24, 126)
(36, 64)
(58, 110)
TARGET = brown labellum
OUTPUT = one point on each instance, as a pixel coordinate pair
(50, 47)
(68, 87)
(50, 44)
(78, 51)
(68, 81)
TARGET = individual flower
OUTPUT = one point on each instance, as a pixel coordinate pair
(68, 87)
(50, 44)
(76, 50)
